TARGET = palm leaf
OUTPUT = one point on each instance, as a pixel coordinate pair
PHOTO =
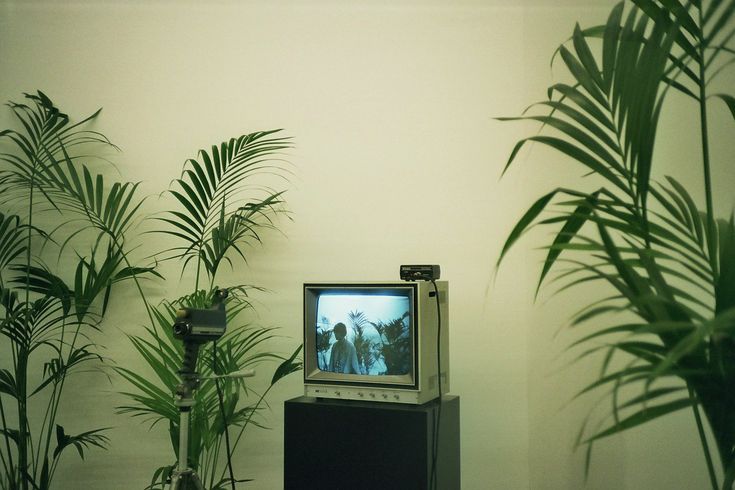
(111, 212)
(12, 239)
(8, 383)
(729, 100)
(57, 368)
(667, 262)
(725, 285)
(79, 441)
(46, 134)
(573, 224)
(211, 189)
(642, 416)
(290, 365)
(525, 222)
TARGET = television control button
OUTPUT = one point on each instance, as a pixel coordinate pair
(385, 396)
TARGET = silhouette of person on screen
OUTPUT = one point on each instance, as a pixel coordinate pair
(343, 357)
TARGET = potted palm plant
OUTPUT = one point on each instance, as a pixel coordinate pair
(55, 206)
(62, 247)
(221, 209)
(666, 263)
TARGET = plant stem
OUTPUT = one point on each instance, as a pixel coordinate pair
(711, 243)
(21, 369)
(58, 400)
(5, 468)
(199, 267)
(221, 404)
(247, 421)
(53, 403)
(139, 287)
(703, 438)
(7, 440)
(213, 458)
(43, 428)
(206, 461)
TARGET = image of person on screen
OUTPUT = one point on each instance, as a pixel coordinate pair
(343, 357)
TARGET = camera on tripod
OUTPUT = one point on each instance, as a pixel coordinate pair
(193, 326)
(197, 325)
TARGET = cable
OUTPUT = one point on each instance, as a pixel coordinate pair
(437, 420)
(222, 412)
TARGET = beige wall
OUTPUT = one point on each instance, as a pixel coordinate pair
(397, 160)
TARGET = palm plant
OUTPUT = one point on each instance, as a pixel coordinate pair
(220, 212)
(363, 345)
(47, 316)
(667, 264)
(394, 347)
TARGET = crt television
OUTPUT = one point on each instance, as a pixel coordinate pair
(376, 341)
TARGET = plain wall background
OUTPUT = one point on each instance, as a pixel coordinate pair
(397, 160)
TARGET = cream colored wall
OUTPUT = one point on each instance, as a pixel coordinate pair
(397, 159)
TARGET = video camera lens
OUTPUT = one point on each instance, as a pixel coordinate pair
(181, 329)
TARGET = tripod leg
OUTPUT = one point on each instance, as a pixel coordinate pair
(186, 480)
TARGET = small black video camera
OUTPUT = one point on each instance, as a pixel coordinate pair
(202, 325)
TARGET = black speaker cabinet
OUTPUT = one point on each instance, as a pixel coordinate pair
(353, 445)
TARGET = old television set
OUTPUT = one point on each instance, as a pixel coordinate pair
(397, 331)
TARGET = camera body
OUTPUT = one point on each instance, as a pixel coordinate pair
(202, 325)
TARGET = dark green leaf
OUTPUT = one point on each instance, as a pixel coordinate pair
(725, 284)
(610, 44)
(290, 365)
(584, 54)
(584, 78)
(525, 222)
(645, 415)
(729, 100)
(574, 222)
(80, 442)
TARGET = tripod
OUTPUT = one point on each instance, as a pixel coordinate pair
(185, 478)
(196, 327)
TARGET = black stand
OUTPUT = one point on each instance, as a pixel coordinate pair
(352, 445)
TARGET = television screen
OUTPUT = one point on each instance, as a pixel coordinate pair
(364, 332)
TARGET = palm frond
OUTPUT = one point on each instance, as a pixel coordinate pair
(12, 240)
(668, 264)
(111, 211)
(46, 134)
(79, 441)
(212, 218)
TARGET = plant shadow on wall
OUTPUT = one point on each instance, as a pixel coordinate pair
(221, 210)
(49, 311)
(667, 265)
